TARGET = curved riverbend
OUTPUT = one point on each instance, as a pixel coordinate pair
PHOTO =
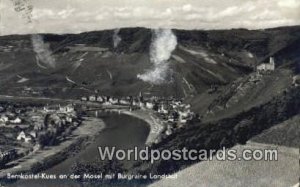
(122, 131)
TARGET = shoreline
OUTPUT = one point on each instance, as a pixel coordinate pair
(156, 125)
(41, 160)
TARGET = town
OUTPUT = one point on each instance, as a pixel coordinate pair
(172, 112)
(26, 129)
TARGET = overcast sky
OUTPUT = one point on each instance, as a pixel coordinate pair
(74, 16)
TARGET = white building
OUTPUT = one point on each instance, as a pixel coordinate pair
(48, 109)
(141, 105)
(17, 120)
(69, 119)
(4, 119)
(267, 66)
(183, 120)
(124, 102)
(171, 120)
(23, 137)
(92, 98)
(162, 110)
(113, 101)
(83, 99)
(296, 80)
(100, 99)
(66, 109)
(184, 114)
(188, 106)
(107, 103)
(169, 130)
(135, 103)
(33, 134)
(149, 105)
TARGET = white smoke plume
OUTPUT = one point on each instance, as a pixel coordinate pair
(116, 38)
(164, 42)
(42, 51)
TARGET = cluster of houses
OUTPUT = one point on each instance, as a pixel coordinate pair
(61, 115)
(35, 120)
(7, 120)
(176, 114)
(170, 110)
(9, 117)
(109, 100)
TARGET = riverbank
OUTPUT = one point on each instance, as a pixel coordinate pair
(155, 124)
(43, 159)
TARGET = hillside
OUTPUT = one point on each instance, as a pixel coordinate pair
(279, 115)
(83, 63)
(241, 95)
